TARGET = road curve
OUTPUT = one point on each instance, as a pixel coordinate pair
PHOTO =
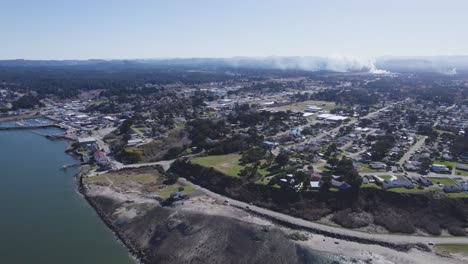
(385, 238)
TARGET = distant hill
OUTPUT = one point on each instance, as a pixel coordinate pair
(448, 65)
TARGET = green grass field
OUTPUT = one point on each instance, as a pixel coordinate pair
(404, 190)
(440, 132)
(444, 181)
(452, 248)
(138, 130)
(461, 173)
(365, 168)
(166, 192)
(322, 168)
(446, 163)
(227, 164)
(371, 185)
(262, 182)
(386, 177)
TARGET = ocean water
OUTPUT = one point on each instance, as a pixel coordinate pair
(43, 218)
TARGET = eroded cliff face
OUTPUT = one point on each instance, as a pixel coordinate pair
(431, 213)
(183, 235)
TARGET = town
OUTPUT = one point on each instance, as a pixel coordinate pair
(320, 133)
(393, 143)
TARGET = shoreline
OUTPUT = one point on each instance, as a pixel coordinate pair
(135, 253)
(336, 244)
(132, 250)
(6, 118)
(139, 256)
(344, 251)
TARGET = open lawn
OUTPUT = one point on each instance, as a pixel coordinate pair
(166, 192)
(139, 130)
(322, 168)
(262, 182)
(386, 177)
(365, 168)
(227, 164)
(440, 132)
(414, 190)
(370, 185)
(452, 248)
(444, 181)
(446, 163)
(461, 173)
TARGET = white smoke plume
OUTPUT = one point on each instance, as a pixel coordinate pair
(335, 62)
(452, 71)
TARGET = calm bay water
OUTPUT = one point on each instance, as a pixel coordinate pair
(43, 219)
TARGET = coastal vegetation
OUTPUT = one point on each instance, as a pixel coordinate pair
(452, 248)
(147, 180)
(382, 208)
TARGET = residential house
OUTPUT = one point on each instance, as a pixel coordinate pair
(400, 182)
(101, 158)
(438, 168)
(377, 165)
(340, 185)
(452, 188)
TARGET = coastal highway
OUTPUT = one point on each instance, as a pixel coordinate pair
(385, 238)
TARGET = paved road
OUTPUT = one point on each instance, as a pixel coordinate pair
(396, 239)
(164, 163)
(411, 151)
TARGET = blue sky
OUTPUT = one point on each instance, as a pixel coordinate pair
(83, 29)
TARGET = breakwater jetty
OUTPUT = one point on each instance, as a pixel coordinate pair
(30, 127)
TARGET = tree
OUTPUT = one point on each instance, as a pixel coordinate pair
(126, 125)
(333, 161)
(326, 183)
(353, 179)
(269, 158)
(381, 147)
(425, 165)
(130, 157)
(365, 122)
(253, 155)
(173, 152)
(26, 102)
(250, 172)
(346, 169)
(303, 177)
(282, 159)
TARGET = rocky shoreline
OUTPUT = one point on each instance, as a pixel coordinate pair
(141, 254)
(185, 228)
(133, 250)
